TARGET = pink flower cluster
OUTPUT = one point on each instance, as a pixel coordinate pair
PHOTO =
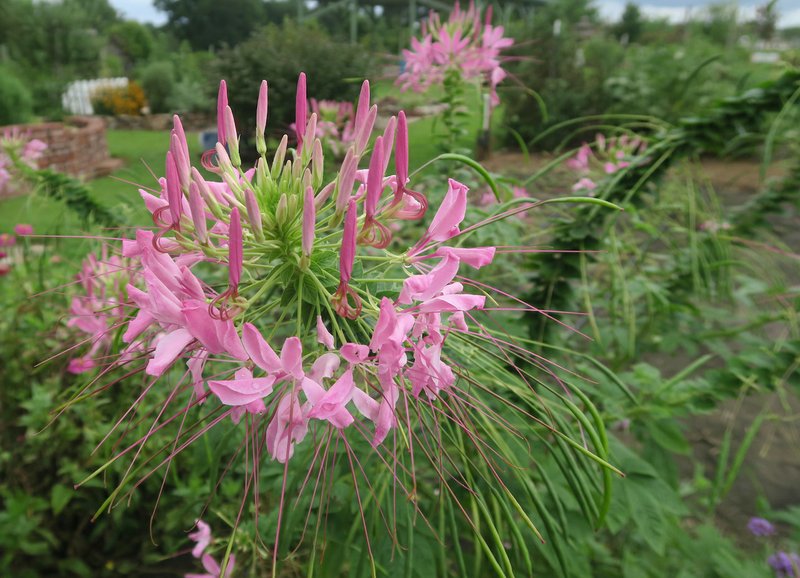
(464, 43)
(606, 155)
(364, 353)
(101, 309)
(16, 146)
(335, 124)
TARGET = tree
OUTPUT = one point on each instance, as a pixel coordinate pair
(630, 25)
(210, 23)
(767, 20)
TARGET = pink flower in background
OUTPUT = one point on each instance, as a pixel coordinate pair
(7, 240)
(606, 156)
(23, 229)
(100, 310)
(17, 147)
(32, 151)
(202, 538)
(213, 569)
(464, 43)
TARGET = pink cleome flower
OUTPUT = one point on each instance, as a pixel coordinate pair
(464, 43)
(281, 297)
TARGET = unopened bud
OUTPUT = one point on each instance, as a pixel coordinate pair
(280, 155)
(317, 167)
(232, 138)
(282, 210)
(253, 214)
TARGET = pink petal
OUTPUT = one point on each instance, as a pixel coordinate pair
(450, 214)
(324, 367)
(202, 536)
(330, 406)
(323, 335)
(445, 303)
(476, 257)
(354, 352)
(259, 350)
(168, 348)
(243, 390)
(423, 287)
(367, 406)
(292, 357)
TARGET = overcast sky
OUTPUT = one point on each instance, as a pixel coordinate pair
(675, 10)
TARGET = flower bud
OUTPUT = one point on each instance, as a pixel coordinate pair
(324, 194)
(180, 156)
(235, 257)
(346, 180)
(301, 109)
(363, 105)
(222, 104)
(205, 192)
(308, 138)
(261, 119)
(198, 213)
(223, 160)
(388, 141)
(282, 210)
(309, 221)
(174, 195)
(277, 160)
(317, 167)
(232, 138)
(365, 130)
(253, 213)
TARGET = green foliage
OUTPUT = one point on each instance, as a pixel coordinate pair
(16, 103)
(581, 73)
(158, 82)
(52, 43)
(629, 28)
(133, 40)
(335, 71)
(45, 526)
(211, 24)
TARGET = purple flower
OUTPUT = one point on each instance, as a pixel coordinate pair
(785, 565)
(760, 527)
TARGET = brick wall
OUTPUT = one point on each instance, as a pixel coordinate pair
(77, 146)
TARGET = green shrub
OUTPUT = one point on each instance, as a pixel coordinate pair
(188, 96)
(335, 71)
(16, 102)
(569, 78)
(158, 82)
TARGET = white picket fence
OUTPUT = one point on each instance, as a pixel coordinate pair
(77, 99)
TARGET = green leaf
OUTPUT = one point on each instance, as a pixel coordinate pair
(668, 435)
(60, 495)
